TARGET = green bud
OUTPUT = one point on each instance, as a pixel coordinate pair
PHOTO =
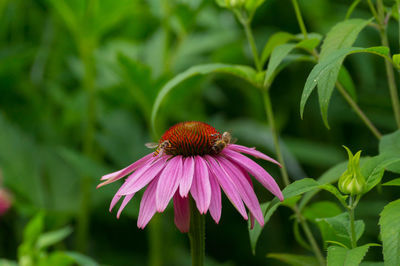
(352, 181)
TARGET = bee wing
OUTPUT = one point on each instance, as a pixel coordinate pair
(151, 145)
(233, 140)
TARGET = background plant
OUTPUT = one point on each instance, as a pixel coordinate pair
(78, 83)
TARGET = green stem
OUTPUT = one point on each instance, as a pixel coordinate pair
(351, 8)
(352, 222)
(373, 11)
(358, 111)
(155, 241)
(88, 144)
(398, 14)
(253, 47)
(196, 235)
(389, 69)
(271, 121)
(300, 19)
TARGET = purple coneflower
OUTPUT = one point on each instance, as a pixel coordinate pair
(194, 157)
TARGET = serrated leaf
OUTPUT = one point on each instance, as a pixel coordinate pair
(339, 256)
(245, 72)
(293, 259)
(341, 225)
(50, 238)
(334, 191)
(325, 73)
(390, 231)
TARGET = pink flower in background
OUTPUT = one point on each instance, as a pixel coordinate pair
(5, 201)
(192, 157)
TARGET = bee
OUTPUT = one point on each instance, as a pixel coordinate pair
(160, 147)
(222, 142)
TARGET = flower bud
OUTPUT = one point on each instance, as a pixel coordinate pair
(352, 181)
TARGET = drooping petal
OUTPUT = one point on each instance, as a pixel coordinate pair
(187, 176)
(257, 171)
(168, 182)
(114, 201)
(182, 213)
(227, 185)
(252, 152)
(215, 204)
(121, 173)
(244, 188)
(252, 218)
(147, 204)
(142, 177)
(201, 189)
(124, 202)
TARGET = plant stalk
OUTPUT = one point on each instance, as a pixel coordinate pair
(352, 222)
(155, 241)
(197, 235)
(358, 111)
(299, 18)
(389, 69)
(253, 47)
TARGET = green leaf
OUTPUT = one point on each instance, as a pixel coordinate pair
(50, 238)
(281, 51)
(275, 40)
(81, 259)
(394, 182)
(244, 72)
(334, 191)
(341, 225)
(345, 79)
(34, 228)
(374, 168)
(321, 209)
(325, 73)
(390, 146)
(342, 35)
(390, 231)
(296, 188)
(294, 260)
(339, 256)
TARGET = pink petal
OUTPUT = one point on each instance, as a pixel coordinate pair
(257, 171)
(187, 176)
(227, 185)
(124, 202)
(252, 152)
(182, 213)
(147, 204)
(215, 204)
(121, 173)
(201, 189)
(168, 182)
(142, 177)
(244, 188)
(114, 201)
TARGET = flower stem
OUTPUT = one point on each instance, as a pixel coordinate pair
(351, 208)
(358, 111)
(250, 38)
(300, 19)
(155, 241)
(196, 235)
(270, 116)
(389, 69)
(351, 8)
(285, 176)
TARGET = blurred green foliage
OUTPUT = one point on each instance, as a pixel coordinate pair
(78, 79)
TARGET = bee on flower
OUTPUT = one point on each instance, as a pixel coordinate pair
(192, 159)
